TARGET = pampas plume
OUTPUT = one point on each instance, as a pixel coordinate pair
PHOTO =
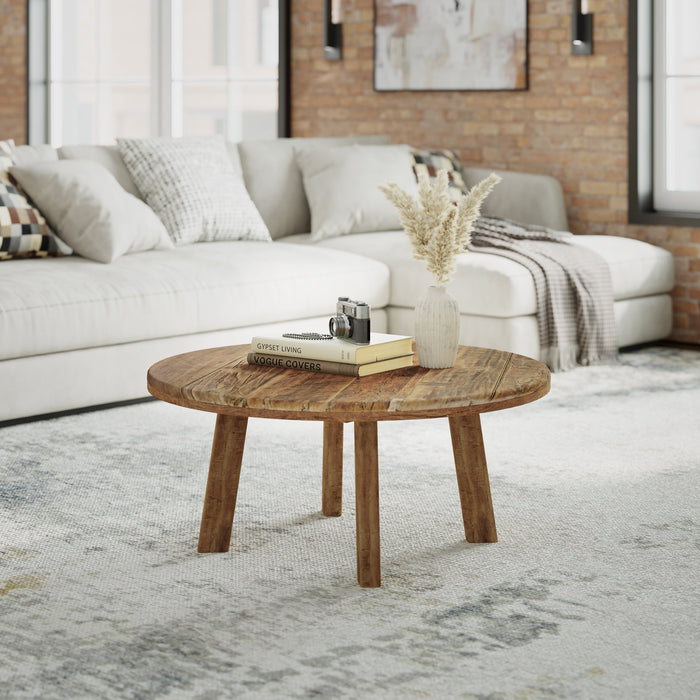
(438, 228)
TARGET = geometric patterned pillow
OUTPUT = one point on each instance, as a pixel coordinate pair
(193, 187)
(434, 160)
(24, 232)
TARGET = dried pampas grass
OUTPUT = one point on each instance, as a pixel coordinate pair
(438, 228)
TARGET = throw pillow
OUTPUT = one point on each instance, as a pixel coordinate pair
(193, 187)
(431, 161)
(342, 187)
(24, 232)
(273, 179)
(108, 156)
(90, 210)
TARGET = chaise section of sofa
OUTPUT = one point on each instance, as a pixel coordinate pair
(496, 295)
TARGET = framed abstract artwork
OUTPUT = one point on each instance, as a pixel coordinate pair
(450, 45)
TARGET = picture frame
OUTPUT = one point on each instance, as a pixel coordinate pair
(450, 45)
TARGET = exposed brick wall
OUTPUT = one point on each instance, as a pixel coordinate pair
(13, 67)
(571, 123)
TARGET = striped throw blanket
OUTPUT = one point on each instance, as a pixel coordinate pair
(573, 287)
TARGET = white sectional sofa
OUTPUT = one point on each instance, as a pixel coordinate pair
(76, 333)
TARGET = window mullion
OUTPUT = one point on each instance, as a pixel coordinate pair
(175, 51)
(167, 67)
(659, 102)
(104, 77)
(54, 71)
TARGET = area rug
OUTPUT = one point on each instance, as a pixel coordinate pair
(591, 592)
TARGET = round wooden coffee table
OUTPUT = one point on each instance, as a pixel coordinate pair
(221, 381)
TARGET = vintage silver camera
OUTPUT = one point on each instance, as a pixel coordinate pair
(351, 321)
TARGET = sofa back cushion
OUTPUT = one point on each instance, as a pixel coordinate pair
(274, 180)
(342, 186)
(26, 155)
(109, 157)
(523, 197)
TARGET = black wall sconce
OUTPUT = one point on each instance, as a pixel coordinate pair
(581, 31)
(332, 32)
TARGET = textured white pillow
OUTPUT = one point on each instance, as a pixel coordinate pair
(193, 187)
(90, 210)
(342, 186)
(273, 179)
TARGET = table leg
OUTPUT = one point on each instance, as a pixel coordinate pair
(473, 479)
(332, 494)
(367, 504)
(222, 484)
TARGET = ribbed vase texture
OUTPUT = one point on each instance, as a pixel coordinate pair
(436, 328)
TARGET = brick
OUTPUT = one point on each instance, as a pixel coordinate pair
(598, 187)
(685, 307)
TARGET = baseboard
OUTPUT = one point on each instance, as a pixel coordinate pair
(73, 411)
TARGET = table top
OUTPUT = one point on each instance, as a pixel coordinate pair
(220, 380)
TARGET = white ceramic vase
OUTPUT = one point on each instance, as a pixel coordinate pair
(436, 328)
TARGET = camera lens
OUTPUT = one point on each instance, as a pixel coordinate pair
(339, 326)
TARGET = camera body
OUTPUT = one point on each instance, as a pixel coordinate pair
(351, 321)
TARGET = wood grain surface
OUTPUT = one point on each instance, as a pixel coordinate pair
(221, 381)
(332, 479)
(367, 505)
(473, 479)
(222, 484)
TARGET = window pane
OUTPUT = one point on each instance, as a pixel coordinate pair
(204, 109)
(259, 107)
(130, 40)
(216, 73)
(683, 134)
(204, 41)
(91, 41)
(682, 45)
(232, 110)
(92, 113)
(229, 68)
(234, 38)
(74, 40)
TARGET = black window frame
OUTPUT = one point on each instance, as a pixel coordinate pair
(640, 132)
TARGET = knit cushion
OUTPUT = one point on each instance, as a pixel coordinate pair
(193, 187)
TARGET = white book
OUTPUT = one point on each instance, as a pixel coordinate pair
(380, 347)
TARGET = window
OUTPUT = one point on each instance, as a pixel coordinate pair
(676, 105)
(664, 102)
(155, 68)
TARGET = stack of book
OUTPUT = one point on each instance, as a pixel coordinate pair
(383, 353)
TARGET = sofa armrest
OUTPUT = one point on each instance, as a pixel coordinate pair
(522, 197)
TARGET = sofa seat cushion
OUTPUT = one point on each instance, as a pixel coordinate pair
(47, 307)
(490, 285)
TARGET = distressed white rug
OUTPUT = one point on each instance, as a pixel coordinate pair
(592, 591)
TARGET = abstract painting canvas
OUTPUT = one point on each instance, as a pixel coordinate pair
(450, 44)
